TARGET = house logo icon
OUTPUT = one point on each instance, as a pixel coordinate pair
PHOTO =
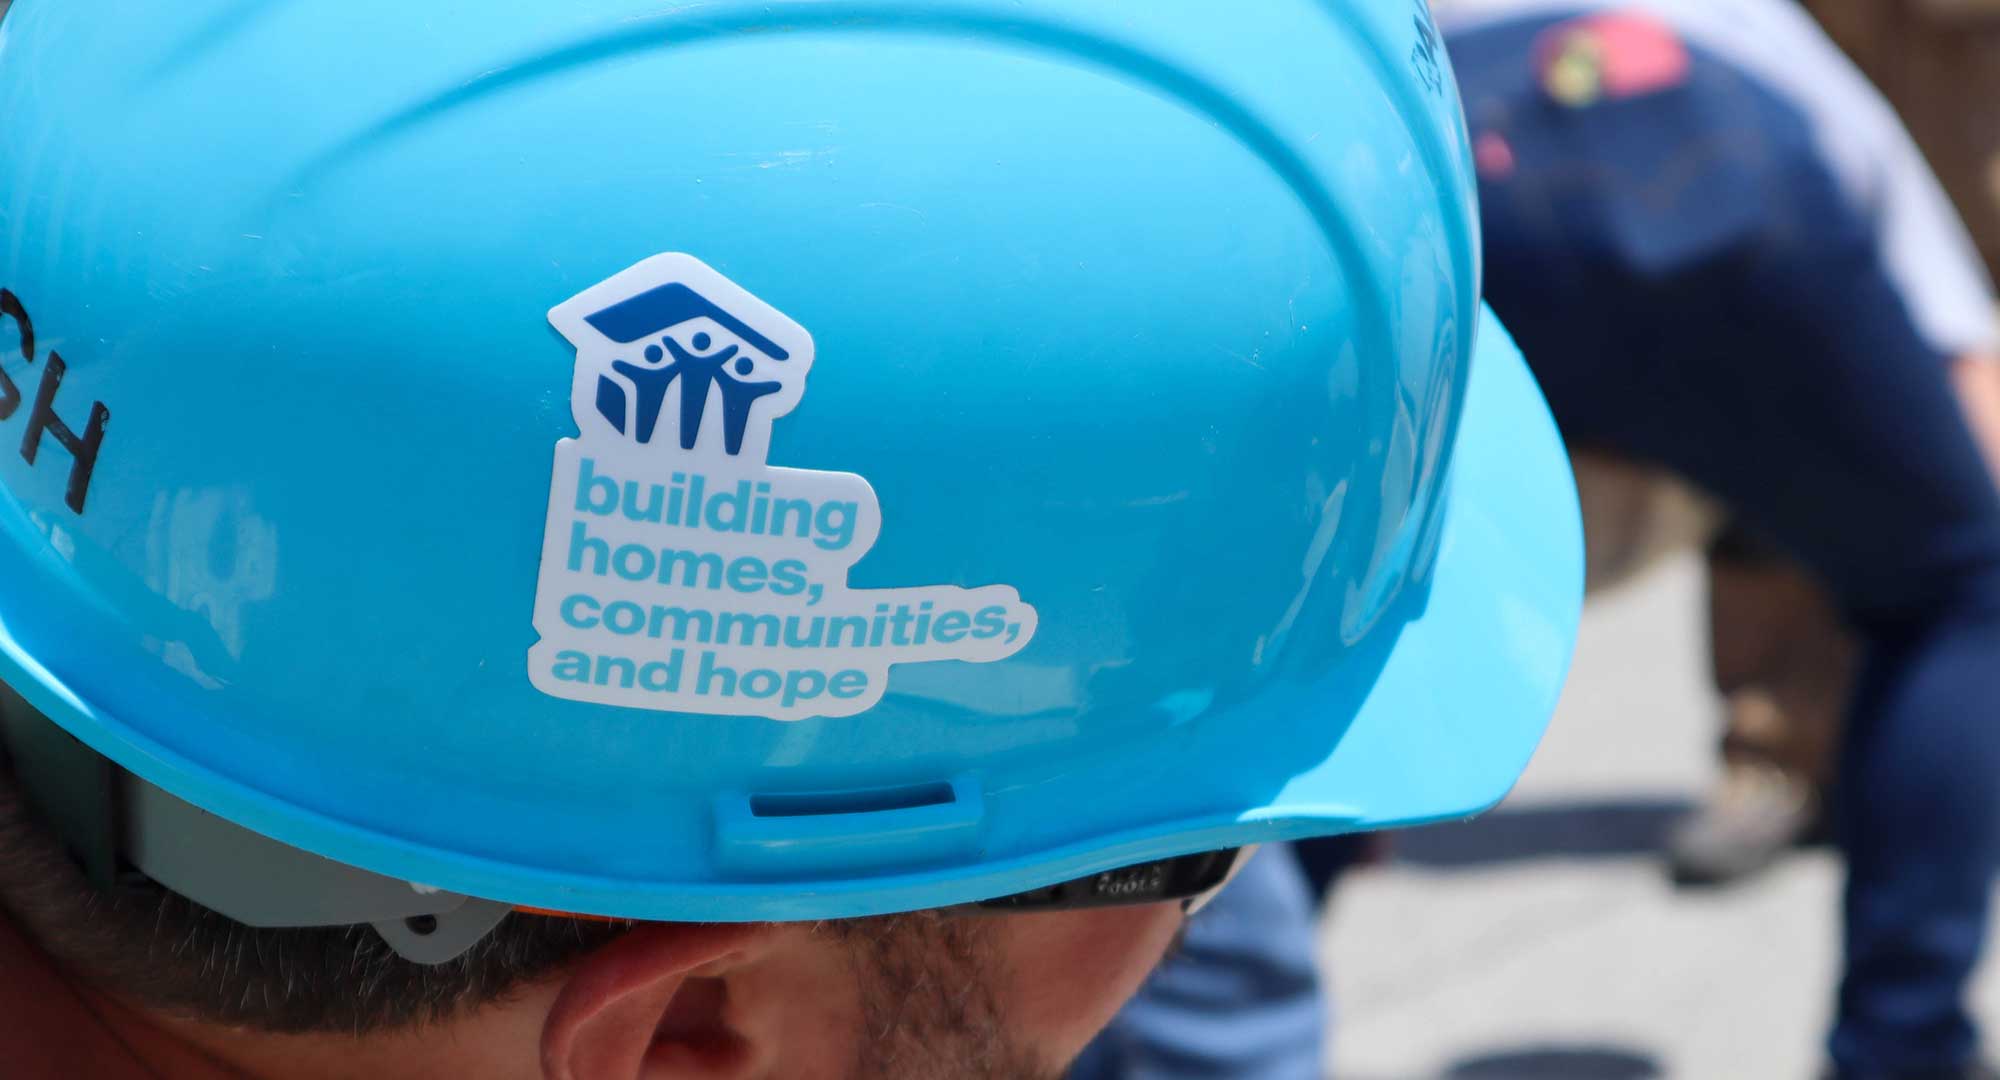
(671, 354)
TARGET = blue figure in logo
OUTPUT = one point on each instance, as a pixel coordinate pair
(651, 382)
(737, 397)
(698, 372)
(694, 366)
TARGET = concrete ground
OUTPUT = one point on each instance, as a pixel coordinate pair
(1543, 942)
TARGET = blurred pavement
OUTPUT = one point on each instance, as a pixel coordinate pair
(1544, 942)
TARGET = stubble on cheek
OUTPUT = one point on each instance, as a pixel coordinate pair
(1070, 972)
(929, 1002)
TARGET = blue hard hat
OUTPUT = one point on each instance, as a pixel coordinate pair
(780, 459)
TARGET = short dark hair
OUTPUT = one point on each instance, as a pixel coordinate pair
(172, 954)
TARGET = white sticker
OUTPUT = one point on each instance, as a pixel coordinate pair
(682, 573)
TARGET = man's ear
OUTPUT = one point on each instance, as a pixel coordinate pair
(652, 1006)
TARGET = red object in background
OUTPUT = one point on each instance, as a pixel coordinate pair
(1492, 156)
(1609, 56)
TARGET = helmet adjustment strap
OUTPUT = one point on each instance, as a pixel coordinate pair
(74, 789)
(124, 832)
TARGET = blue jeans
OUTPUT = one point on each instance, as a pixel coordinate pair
(1240, 1000)
(1693, 289)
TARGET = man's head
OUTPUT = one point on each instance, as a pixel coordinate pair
(919, 996)
(1089, 515)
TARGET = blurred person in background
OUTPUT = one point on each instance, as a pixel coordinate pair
(1726, 260)
(1780, 654)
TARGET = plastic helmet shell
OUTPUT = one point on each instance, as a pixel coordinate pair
(1159, 316)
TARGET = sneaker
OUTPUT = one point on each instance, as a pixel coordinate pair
(1755, 814)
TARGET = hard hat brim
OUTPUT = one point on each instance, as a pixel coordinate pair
(1472, 683)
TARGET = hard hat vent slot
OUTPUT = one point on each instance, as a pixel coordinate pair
(816, 834)
(877, 800)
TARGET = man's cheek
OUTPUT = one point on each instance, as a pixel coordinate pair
(1069, 973)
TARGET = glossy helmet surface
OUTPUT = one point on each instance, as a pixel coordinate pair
(1143, 338)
